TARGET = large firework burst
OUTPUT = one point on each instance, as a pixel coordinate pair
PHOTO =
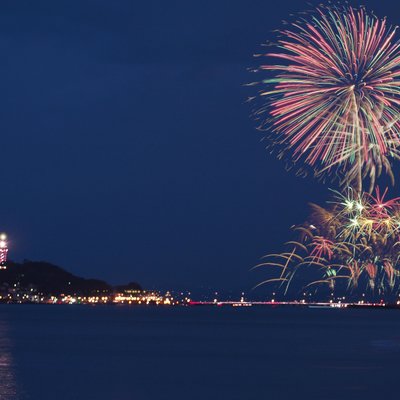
(355, 239)
(334, 100)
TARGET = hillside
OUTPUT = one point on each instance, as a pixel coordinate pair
(50, 279)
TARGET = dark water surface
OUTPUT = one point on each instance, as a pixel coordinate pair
(79, 352)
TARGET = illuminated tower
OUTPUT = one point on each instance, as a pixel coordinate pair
(3, 251)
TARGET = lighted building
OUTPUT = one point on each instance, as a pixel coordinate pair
(3, 251)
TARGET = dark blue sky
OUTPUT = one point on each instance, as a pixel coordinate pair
(127, 150)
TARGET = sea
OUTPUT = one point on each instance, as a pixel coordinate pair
(198, 353)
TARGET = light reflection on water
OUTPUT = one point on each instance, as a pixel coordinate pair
(8, 386)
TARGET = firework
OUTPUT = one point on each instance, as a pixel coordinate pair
(354, 239)
(334, 99)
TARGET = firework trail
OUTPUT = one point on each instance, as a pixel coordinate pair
(334, 99)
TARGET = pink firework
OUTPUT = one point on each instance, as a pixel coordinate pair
(322, 247)
(335, 100)
(379, 207)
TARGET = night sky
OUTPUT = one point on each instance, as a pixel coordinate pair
(127, 148)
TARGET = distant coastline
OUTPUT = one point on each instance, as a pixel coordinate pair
(40, 282)
(43, 282)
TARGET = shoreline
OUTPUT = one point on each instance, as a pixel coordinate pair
(224, 304)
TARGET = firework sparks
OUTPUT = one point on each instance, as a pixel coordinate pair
(334, 102)
(348, 240)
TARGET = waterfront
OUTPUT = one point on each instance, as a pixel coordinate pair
(103, 352)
